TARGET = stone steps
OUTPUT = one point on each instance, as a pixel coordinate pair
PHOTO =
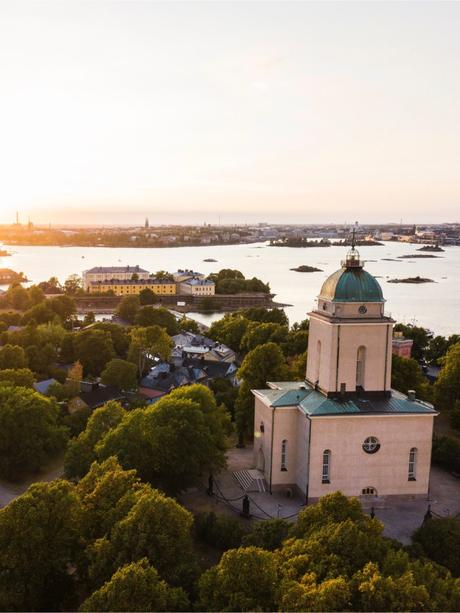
(251, 480)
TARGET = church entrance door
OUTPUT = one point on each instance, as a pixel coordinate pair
(261, 460)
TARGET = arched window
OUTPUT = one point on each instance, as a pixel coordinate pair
(326, 466)
(360, 364)
(412, 464)
(318, 360)
(284, 455)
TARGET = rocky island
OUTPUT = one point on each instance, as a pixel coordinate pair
(305, 268)
(436, 248)
(417, 255)
(412, 280)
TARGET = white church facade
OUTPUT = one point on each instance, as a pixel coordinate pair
(344, 428)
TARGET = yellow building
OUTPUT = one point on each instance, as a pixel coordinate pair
(130, 287)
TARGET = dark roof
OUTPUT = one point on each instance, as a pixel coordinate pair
(100, 394)
(105, 269)
(212, 369)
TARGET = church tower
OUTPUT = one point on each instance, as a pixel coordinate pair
(349, 345)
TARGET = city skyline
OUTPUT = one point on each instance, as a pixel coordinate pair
(244, 112)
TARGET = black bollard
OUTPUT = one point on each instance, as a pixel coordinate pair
(428, 514)
(372, 513)
(246, 507)
(240, 443)
(210, 489)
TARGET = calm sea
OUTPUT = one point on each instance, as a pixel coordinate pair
(433, 305)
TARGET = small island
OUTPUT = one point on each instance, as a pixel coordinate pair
(8, 276)
(417, 255)
(436, 248)
(209, 260)
(412, 280)
(4, 253)
(305, 268)
(299, 242)
(364, 242)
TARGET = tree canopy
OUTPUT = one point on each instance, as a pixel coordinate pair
(136, 587)
(172, 443)
(30, 432)
(120, 373)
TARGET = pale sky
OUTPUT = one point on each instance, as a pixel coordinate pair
(251, 111)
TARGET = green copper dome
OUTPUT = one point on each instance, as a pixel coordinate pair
(351, 285)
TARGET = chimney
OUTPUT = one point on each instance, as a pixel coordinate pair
(411, 395)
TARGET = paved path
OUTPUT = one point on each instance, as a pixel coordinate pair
(400, 517)
(10, 491)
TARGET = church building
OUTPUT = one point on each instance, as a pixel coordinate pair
(344, 428)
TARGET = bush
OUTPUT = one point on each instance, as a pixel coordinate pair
(446, 453)
(267, 534)
(454, 417)
(440, 541)
(219, 531)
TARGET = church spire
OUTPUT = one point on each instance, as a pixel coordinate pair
(353, 260)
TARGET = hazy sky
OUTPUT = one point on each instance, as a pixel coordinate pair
(277, 111)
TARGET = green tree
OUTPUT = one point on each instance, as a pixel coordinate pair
(153, 316)
(407, 375)
(120, 336)
(259, 334)
(121, 374)
(225, 393)
(18, 297)
(36, 294)
(268, 534)
(173, 443)
(155, 527)
(30, 433)
(380, 593)
(39, 537)
(80, 451)
(21, 377)
(231, 585)
(148, 343)
(41, 313)
(93, 348)
(136, 587)
(447, 386)
(107, 493)
(67, 349)
(128, 308)
(229, 330)
(440, 541)
(263, 315)
(50, 333)
(146, 296)
(73, 285)
(89, 319)
(308, 595)
(12, 356)
(189, 325)
(262, 364)
(41, 359)
(63, 306)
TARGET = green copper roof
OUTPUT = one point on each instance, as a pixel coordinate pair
(314, 403)
(351, 285)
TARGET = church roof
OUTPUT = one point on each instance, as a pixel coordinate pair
(351, 285)
(314, 403)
